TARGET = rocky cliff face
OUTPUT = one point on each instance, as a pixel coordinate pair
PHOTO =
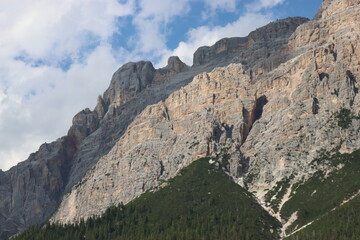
(95, 132)
(305, 94)
(260, 52)
(272, 111)
(163, 139)
(273, 123)
(92, 134)
(31, 191)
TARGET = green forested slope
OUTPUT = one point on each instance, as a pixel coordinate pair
(325, 191)
(341, 224)
(201, 203)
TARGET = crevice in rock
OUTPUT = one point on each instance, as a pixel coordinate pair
(323, 75)
(351, 82)
(216, 134)
(331, 50)
(335, 92)
(257, 112)
(315, 106)
(143, 187)
(162, 168)
(252, 117)
(244, 129)
(228, 130)
(334, 55)
(166, 113)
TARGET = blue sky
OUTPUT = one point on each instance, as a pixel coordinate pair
(55, 59)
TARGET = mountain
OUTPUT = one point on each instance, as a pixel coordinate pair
(283, 103)
(33, 190)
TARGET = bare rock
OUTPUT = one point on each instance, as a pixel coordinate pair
(31, 190)
(176, 65)
(260, 52)
(129, 80)
(273, 123)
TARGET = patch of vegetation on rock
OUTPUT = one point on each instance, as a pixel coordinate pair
(344, 118)
(274, 196)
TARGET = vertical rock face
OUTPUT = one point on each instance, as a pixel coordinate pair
(263, 50)
(31, 191)
(274, 122)
(304, 96)
(129, 80)
(176, 65)
(147, 125)
(331, 7)
(84, 123)
(196, 121)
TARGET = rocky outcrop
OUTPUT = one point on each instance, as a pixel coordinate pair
(260, 52)
(31, 191)
(331, 7)
(174, 66)
(96, 133)
(129, 80)
(272, 124)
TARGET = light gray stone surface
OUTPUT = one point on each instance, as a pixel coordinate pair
(274, 123)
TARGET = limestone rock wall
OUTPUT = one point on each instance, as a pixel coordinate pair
(274, 123)
(163, 139)
(31, 191)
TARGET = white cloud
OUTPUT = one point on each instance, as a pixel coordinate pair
(37, 103)
(152, 21)
(44, 29)
(26, 122)
(162, 10)
(228, 5)
(263, 4)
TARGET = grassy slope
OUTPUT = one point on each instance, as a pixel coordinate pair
(201, 203)
(321, 193)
